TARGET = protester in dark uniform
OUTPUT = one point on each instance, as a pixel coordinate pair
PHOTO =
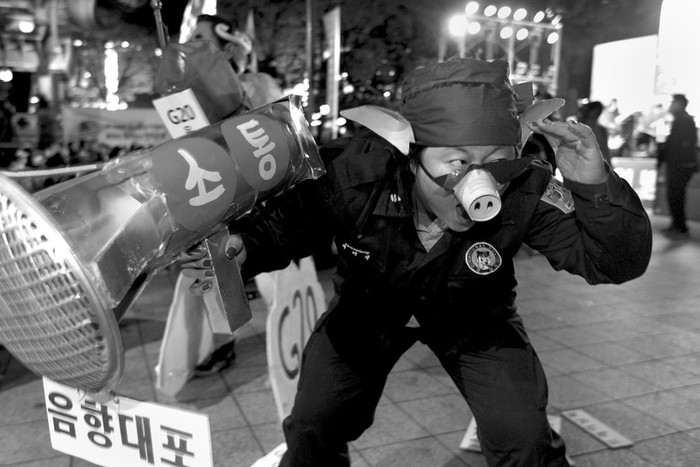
(414, 266)
(679, 154)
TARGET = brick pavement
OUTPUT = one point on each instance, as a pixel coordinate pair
(629, 355)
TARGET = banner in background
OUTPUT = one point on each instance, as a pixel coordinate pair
(677, 67)
(120, 128)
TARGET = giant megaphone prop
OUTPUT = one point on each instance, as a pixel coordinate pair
(74, 256)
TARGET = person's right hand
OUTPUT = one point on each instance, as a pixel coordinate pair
(197, 264)
(576, 150)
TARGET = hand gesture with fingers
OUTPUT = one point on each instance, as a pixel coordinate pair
(578, 156)
(197, 264)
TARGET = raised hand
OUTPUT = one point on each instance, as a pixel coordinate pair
(577, 153)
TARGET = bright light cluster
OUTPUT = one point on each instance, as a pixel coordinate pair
(518, 22)
(6, 75)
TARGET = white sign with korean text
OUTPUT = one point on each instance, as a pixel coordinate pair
(125, 432)
(181, 113)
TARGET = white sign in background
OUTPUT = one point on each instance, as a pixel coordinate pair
(295, 300)
(181, 113)
(123, 432)
(297, 303)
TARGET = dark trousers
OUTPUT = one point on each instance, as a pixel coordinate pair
(504, 386)
(677, 179)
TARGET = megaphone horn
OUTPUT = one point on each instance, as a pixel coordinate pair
(74, 256)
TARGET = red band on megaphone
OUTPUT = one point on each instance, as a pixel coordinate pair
(261, 149)
(198, 178)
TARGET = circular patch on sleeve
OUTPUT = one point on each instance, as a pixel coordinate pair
(482, 258)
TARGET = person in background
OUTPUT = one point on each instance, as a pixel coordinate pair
(8, 143)
(46, 122)
(610, 115)
(679, 155)
(21, 162)
(417, 261)
(589, 114)
(645, 131)
(6, 112)
(260, 88)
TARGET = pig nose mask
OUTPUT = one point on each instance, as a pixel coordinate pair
(478, 187)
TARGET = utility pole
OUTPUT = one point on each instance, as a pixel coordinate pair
(310, 20)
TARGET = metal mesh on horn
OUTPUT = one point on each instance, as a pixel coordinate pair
(51, 317)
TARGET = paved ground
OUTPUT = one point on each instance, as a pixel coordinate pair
(629, 355)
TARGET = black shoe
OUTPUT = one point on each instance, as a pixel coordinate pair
(220, 359)
(675, 233)
(673, 227)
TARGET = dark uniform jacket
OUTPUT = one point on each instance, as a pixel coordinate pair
(464, 288)
(680, 150)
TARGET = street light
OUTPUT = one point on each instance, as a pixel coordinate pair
(522, 34)
(504, 12)
(6, 75)
(502, 29)
(458, 26)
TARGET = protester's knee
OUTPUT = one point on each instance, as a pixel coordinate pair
(521, 439)
(514, 431)
(329, 422)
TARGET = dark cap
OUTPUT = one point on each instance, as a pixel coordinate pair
(461, 102)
